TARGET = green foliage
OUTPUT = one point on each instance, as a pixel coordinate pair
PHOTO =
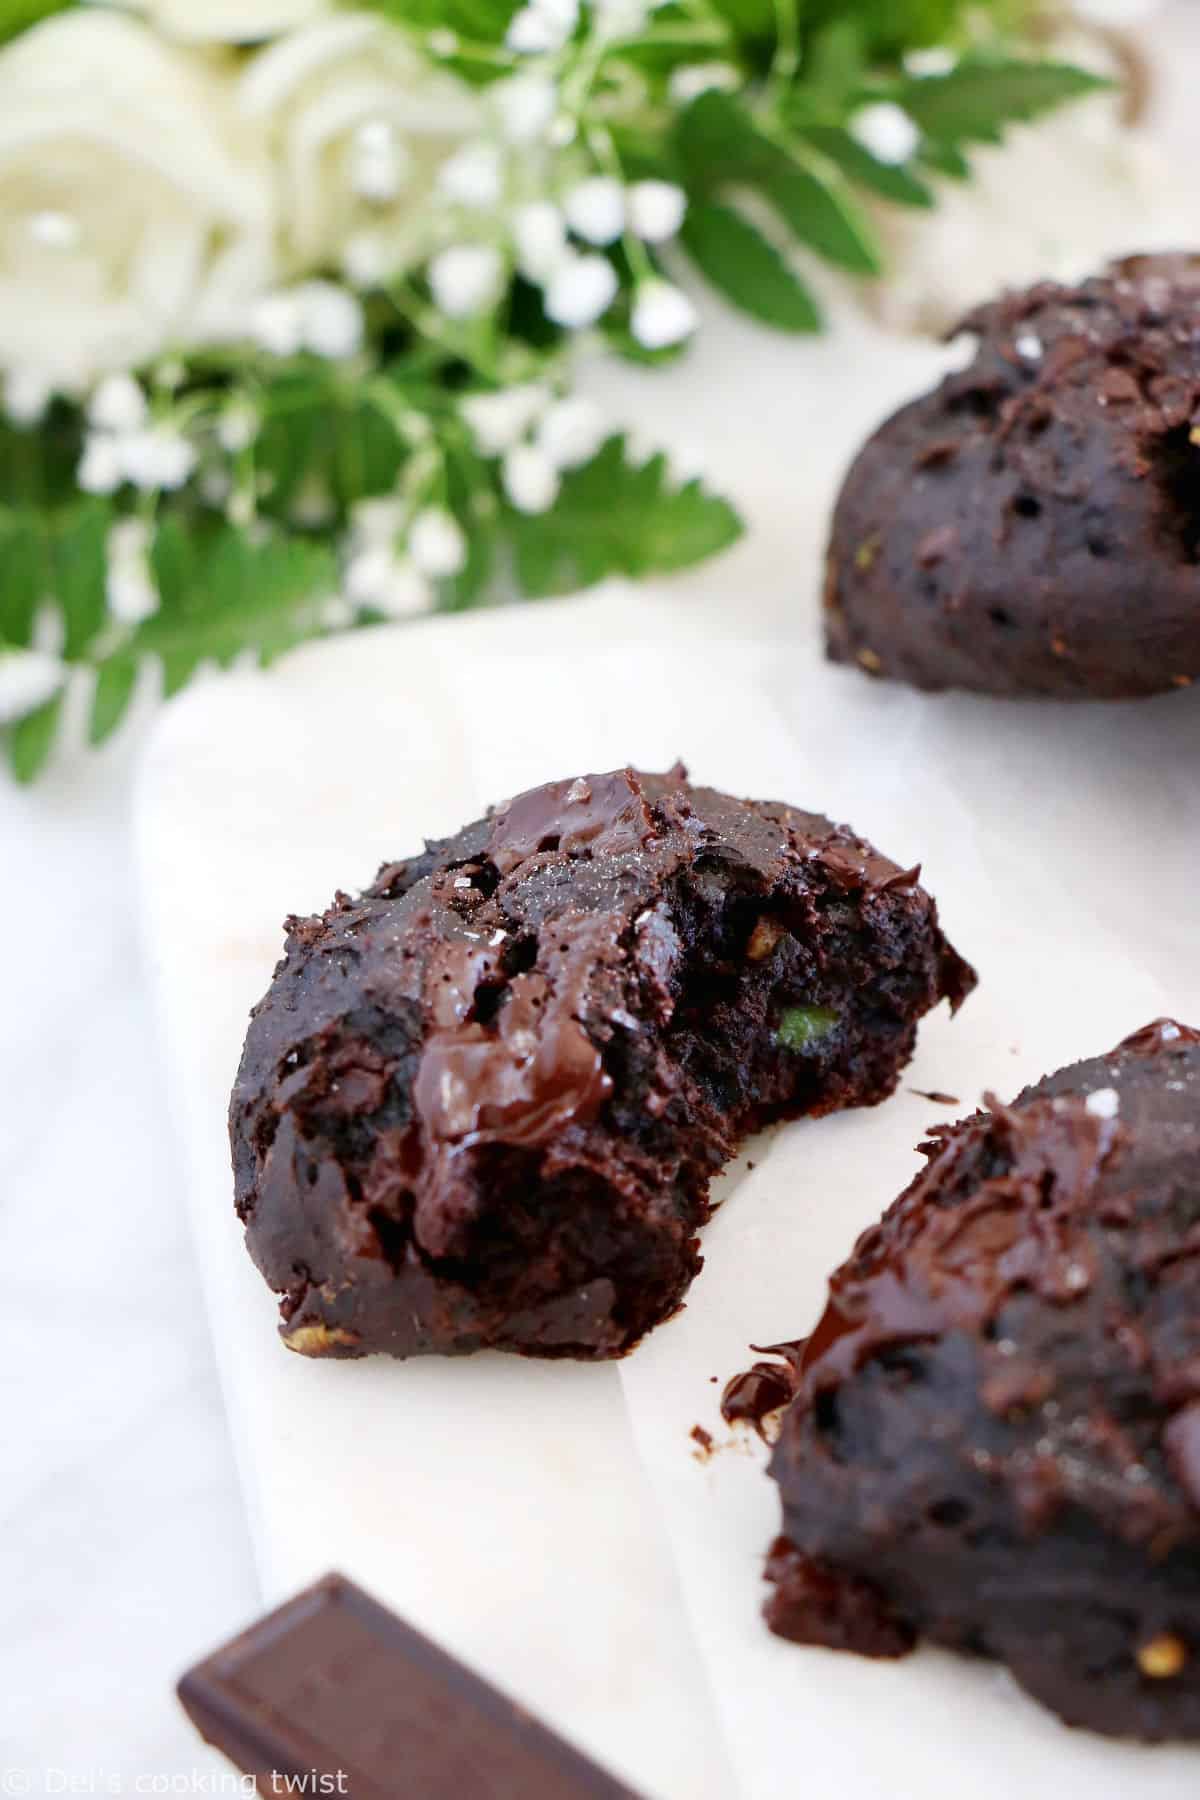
(19, 15)
(738, 259)
(974, 102)
(616, 517)
(245, 557)
(31, 739)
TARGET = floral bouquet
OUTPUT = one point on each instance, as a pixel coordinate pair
(292, 295)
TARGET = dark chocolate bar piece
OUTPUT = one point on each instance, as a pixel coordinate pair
(334, 1691)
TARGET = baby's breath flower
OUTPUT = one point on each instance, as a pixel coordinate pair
(570, 432)
(542, 25)
(466, 279)
(331, 320)
(53, 230)
(436, 543)
(656, 210)
(130, 590)
(525, 105)
(693, 79)
(101, 468)
(581, 288)
(473, 176)
(27, 395)
(595, 209)
(662, 315)
(530, 479)
(378, 520)
(28, 678)
(368, 574)
(277, 324)
(379, 162)
(159, 457)
(886, 130)
(118, 404)
(365, 259)
(238, 426)
(618, 19)
(931, 62)
(498, 421)
(540, 238)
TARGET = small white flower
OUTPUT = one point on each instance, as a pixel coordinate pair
(101, 467)
(436, 543)
(52, 230)
(130, 590)
(331, 320)
(693, 79)
(1105, 1103)
(379, 162)
(618, 19)
(498, 421)
(368, 574)
(656, 210)
(1029, 345)
(580, 290)
(157, 458)
(542, 25)
(595, 209)
(886, 130)
(277, 324)
(118, 404)
(929, 62)
(405, 593)
(473, 176)
(129, 541)
(365, 259)
(240, 508)
(49, 630)
(662, 315)
(540, 237)
(530, 479)
(27, 394)
(465, 279)
(336, 614)
(525, 105)
(378, 521)
(28, 678)
(238, 426)
(570, 432)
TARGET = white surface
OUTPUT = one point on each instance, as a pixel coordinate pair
(124, 1550)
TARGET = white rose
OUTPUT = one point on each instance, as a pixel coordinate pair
(131, 216)
(359, 125)
(229, 21)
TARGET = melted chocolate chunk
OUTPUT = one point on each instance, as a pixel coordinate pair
(757, 1393)
(1032, 526)
(481, 1105)
(996, 1425)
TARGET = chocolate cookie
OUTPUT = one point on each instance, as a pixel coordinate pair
(995, 1440)
(1033, 525)
(482, 1104)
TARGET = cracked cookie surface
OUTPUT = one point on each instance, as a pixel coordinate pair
(481, 1104)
